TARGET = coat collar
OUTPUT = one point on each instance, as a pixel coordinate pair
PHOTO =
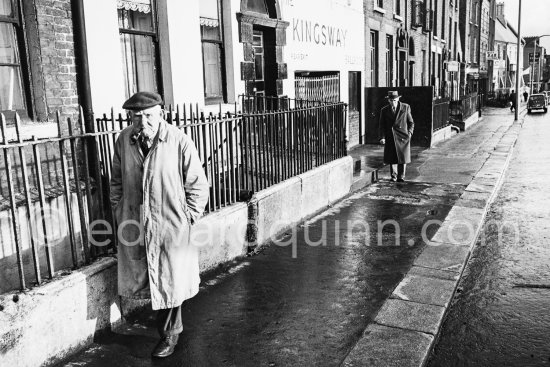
(162, 135)
(398, 110)
(163, 131)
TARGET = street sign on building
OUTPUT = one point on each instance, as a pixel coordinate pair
(452, 66)
(492, 55)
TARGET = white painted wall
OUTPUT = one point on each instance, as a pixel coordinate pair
(185, 51)
(316, 50)
(238, 51)
(310, 46)
(104, 55)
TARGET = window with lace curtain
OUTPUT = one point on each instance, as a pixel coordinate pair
(12, 53)
(139, 45)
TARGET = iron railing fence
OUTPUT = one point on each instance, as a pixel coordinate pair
(440, 113)
(280, 144)
(47, 218)
(243, 153)
(465, 107)
(259, 103)
(324, 88)
(50, 221)
(217, 139)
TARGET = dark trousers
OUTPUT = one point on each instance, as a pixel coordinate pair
(398, 170)
(169, 321)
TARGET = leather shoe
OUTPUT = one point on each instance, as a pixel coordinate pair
(393, 179)
(165, 346)
(400, 180)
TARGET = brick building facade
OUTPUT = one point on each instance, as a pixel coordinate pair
(41, 54)
(477, 25)
(424, 37)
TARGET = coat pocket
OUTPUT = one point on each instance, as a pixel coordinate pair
(184, 209)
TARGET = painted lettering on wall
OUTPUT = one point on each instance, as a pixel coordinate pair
(320, 34)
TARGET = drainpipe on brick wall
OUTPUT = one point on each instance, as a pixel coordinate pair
(83, 77)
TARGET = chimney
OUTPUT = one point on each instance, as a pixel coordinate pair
(500, 14)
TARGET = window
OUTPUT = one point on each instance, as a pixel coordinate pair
(450, 32)
(417, 13)
(436, 12)
(212, 51)
(474, 51)
(139, 43)
(454, 39)
(443, 35)
(259, 60)
(424, 72)
(432, 82)
(12, 87)
(373, 58)
(389, 61)
(397, 7)
(379, 3)
(257, 6)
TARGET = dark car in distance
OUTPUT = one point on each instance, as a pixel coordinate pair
(537, 102)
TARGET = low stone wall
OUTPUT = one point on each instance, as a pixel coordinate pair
(466, 124)
(441, 135)
(286, 204)
(58, 318)
(43, 325)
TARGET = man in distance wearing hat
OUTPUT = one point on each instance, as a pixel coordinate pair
(158, 190)
(396, 128)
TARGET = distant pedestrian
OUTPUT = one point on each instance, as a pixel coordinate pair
(396, 128)
(158, 190)
(525, 95)
(513, 101)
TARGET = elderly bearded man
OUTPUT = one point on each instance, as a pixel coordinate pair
(395, 131)
(158, 190)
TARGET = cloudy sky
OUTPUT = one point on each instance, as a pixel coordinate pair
(535, 18)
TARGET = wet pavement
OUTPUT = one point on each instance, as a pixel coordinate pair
(273, 309)
(500, 317)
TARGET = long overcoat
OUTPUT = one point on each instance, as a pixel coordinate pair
(155, 200)
(397, 129)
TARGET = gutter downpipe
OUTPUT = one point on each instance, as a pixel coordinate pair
(83, 79)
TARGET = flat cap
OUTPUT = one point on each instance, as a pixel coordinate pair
(142, 101)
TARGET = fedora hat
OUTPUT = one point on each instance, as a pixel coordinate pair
(392, 94)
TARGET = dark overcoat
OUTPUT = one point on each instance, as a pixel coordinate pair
(397, 129)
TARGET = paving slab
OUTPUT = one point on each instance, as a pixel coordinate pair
(426, 290)
(434, 273)
(460, 227)
(443, 257)
(383, 346)
(411, 316)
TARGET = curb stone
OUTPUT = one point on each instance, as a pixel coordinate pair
(407, 325)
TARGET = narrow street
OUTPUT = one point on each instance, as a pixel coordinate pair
(499, 316)
(274, 309)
